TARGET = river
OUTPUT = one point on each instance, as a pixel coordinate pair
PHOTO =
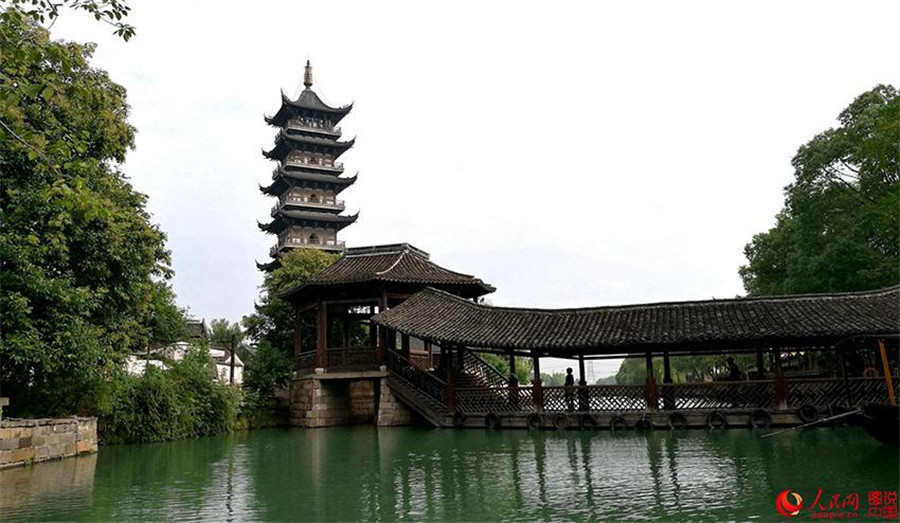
(413, 474)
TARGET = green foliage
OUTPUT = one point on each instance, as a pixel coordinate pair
(684, 369)
(273, 321)
(109, 11)
(183, 401)
(84, 272)
(501, 363)
(269, 370)
(840, 228)
(224, 332)
(557, 379)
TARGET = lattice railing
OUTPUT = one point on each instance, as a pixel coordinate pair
(422, 381)
(482, 400)
(351, 359)
(305, 360)
(594, 398)
(717, 395)
(833, 391)
(421, 360)
(339, 359)
(483, 371)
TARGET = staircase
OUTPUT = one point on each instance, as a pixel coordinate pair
(426, 393)
(420, 390)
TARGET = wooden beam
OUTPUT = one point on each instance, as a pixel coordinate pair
(582, 379)
(887, 374)
(404, 345)
(321, 334)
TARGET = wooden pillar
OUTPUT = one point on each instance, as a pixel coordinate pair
(450, 392)
(888, 381)
(373, 334)
(321, 334)
(298, 336)
(651, 393)
(392, 340)
(444, 366)
(668, 398)
(843, 357)
(781, 385)
(760, 370)
(382, 331)
(460, 356)
(667, 368)
(538, 390)
(582, 385)
(512, 363)
(345, 331)
(404, 345)
(427, 345)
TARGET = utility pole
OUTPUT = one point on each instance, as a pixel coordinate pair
(231, 378)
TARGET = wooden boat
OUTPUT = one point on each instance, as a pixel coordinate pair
(881, 421)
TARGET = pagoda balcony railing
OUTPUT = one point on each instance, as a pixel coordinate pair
(306, 202)
(296, 241)
(297, 123)
(338, 167)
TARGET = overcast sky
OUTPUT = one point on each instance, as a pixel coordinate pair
(585, 154)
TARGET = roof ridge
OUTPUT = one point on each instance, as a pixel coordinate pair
(780, 298)
(389, 269)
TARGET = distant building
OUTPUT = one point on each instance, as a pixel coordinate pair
(307, 178)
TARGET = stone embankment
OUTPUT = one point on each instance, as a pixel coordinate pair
(28, 441)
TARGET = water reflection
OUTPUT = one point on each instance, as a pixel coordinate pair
(417, 474)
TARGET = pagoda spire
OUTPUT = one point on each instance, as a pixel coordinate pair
(307, 76)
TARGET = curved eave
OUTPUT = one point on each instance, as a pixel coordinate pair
(280, 181)
(307, 103)
(270, 266)
(286, 219)
(285, 143)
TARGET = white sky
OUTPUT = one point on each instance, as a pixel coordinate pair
(585, 154)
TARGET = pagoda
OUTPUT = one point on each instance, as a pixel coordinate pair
(307, 179)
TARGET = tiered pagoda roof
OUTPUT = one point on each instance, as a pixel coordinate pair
(283, 179)
(389, 264)
(308, 101)
(286, 142)
(813, 320)
(286, 218)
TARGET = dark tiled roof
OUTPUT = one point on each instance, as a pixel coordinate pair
(279, 184)
(286, 218)
(399, 263)
(310, 101)
(806, 320)
(285, 143)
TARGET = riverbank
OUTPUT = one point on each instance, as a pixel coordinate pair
(27, 441)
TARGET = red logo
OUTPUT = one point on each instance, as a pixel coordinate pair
(785, 506)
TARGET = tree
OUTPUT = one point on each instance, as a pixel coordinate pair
(109, 11)
(840, 227)
(273, 321)
(501, 363)
(269, 370)
(223, 332)
(84, 271)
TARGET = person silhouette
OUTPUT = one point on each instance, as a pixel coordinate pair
(570, 390)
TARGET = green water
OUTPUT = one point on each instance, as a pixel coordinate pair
(363, 473)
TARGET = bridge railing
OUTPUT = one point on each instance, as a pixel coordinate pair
(420, 380)
(818, 392)
(483, 371)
